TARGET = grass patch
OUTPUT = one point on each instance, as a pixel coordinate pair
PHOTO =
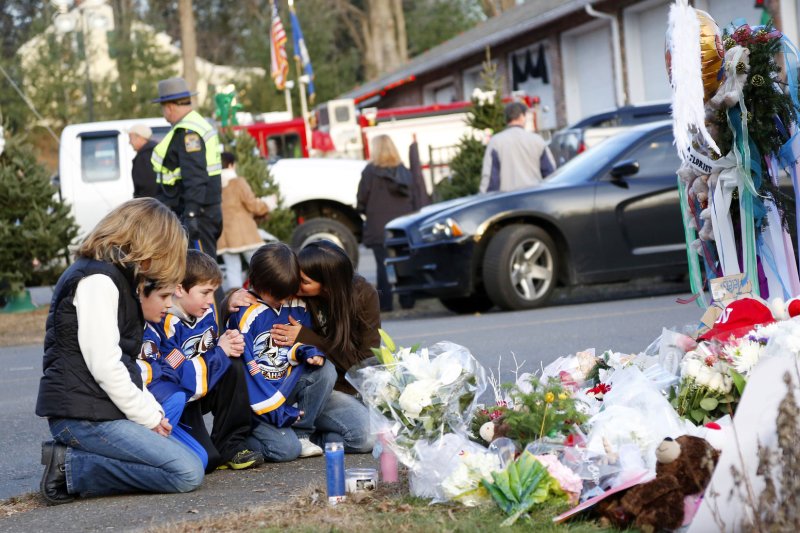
(20, 504)
(387, 511)
(17, 329)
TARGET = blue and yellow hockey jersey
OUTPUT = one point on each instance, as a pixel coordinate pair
(272, 370)
(160, 378)
(190, 345)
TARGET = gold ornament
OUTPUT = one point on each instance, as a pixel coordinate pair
(729, 43)
(711, 54)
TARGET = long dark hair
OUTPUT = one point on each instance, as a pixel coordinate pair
(330, 266)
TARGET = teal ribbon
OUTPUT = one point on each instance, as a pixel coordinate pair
(737, 120)
(690, 235)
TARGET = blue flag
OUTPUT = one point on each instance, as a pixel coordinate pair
(301, 52)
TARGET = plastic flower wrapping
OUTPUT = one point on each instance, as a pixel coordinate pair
(419, 394)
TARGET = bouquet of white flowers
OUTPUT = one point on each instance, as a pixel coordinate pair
(419, 394)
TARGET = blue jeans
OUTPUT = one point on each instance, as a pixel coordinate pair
(345, 419)
(120, 456)
(311, 394)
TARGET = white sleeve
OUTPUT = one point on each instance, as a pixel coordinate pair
(96, 303)
(486, 168)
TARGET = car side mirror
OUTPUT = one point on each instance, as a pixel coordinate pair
(624, 168)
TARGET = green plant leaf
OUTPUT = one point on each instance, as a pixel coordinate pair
(738, 381)
(387, 340)
(697, 415)
(709, 404)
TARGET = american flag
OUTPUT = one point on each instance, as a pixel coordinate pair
(175, 358)
(253, 368)
(279, 64)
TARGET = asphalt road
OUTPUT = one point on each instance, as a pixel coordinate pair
(580, 319)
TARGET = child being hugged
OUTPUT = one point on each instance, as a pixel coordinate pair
(160, 378)
(281, 377)
(201, 359)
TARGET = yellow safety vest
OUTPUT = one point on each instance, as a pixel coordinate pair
(195, 122)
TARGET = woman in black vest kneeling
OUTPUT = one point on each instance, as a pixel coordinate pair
(110, 434)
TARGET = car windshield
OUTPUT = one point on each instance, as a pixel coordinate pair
(587, 164)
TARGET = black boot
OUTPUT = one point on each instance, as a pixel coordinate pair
(54, 479)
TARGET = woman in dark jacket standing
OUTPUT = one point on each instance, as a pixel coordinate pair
(384, 193)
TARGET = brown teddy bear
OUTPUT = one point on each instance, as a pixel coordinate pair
(685, 466)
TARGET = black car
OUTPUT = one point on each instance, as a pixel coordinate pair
(611, 214)
(591, 131)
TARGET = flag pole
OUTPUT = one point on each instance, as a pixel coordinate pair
(302, 87)
(303, 103)
(287, 94)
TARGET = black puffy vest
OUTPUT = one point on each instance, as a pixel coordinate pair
(67, 389)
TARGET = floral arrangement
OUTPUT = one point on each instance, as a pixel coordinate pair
(548, 409)
(419, 394)
(464, 482)
(524, 483)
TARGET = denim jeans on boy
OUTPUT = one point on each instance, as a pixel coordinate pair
(311, 394)
(345, 419)
(120, 456)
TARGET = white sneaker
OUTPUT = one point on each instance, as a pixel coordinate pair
(308, 448)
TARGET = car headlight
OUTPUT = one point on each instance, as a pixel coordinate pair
(439, 230)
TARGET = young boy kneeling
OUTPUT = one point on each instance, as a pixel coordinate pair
(280, 377)
(202, 358)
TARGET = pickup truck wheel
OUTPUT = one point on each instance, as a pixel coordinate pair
(519, 268)
(474, 303)
(318, 229)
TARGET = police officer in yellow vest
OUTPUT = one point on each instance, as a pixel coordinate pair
(188, 166)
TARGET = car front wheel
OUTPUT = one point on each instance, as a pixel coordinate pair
(321, 228)
(520, 266)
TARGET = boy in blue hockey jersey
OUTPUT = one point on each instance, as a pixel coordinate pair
(280, 377)
(201, 357)
(160, 378)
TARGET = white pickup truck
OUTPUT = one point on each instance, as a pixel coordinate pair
(95, 176)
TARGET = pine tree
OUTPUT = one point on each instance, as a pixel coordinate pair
(35, 225)
(251, 166)
(486, 115)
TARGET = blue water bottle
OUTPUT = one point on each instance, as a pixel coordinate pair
(334, 467)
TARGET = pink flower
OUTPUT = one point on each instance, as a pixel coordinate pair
(568, 479)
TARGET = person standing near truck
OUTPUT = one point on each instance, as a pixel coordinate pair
(188, 166)
(515, 158)
(144, 177)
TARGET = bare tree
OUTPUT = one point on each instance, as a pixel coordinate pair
(188, 43)
(379, 31)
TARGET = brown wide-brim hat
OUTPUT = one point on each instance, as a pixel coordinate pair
(172, 89)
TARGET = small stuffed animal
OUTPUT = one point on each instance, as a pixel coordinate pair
(685, 466)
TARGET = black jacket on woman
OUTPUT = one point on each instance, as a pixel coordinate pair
(384, 193)
(67, 388)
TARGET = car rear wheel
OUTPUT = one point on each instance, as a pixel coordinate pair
(474, 303)
(318, 229)
(520, 266)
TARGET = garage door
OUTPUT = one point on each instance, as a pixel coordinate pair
(725, 11)
(644, 49)
(588, 71)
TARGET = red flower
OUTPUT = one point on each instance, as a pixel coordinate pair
(602, 388)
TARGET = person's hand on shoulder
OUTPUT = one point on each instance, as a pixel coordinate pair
(240, 298)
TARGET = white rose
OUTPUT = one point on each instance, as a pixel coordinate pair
(691, 368)
(415, 397)
(716, 383)
(704, 376)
